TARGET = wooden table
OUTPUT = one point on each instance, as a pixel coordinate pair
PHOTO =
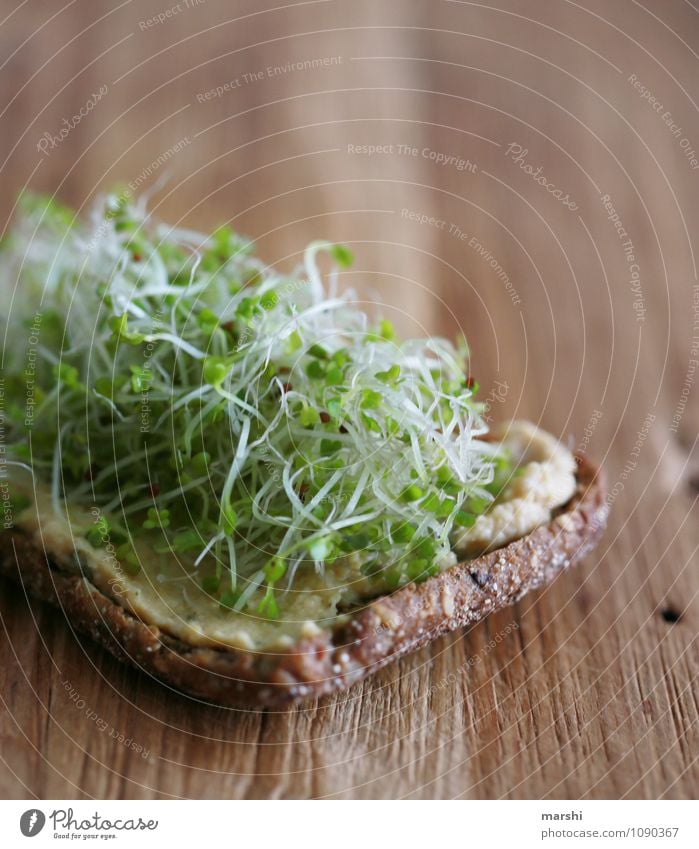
(591, 689)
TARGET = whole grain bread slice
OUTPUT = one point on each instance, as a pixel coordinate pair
(369, 638)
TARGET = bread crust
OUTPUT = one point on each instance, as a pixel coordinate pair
(373, 636)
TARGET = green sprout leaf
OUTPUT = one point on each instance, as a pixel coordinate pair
(342, 255)
(215, 370)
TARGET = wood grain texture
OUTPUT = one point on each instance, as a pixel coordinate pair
(587, 689)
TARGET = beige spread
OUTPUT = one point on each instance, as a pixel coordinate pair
(167, 592)
(545, 480)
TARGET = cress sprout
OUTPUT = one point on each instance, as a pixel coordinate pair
(257, 423)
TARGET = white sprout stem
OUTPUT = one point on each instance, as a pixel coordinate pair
(238, 459)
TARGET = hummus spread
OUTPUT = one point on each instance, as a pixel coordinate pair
(167, 590)
(544, 480)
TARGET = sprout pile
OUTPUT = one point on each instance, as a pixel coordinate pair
(253, 424)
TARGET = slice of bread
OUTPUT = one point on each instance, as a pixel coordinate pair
(369, 638)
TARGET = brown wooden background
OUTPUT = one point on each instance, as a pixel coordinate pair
(595, 693)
